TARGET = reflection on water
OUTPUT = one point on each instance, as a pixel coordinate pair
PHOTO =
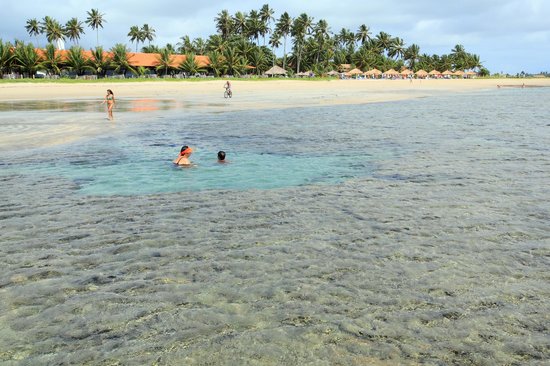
(436, 254)
(123, 105)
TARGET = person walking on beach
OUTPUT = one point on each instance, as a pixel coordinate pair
(110, 100)
(183, 158)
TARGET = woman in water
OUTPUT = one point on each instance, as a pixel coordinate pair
(110, 100)
(183, 158)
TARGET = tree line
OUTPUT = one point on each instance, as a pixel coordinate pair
(244, 43)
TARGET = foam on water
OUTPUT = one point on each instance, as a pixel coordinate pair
(400, 233)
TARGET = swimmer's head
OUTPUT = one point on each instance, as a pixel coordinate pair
(221, 155)
(185, 150)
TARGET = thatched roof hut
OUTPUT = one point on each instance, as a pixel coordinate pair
(275, 70)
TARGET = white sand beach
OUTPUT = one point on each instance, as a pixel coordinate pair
(208, 95)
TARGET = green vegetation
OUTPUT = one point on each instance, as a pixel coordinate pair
(244, 44)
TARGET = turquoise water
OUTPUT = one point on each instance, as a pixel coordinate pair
(265, 150)
(406, 233)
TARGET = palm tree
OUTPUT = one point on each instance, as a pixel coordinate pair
(148, 33)
(412, 54)
(346, 40)
(459, 55)
(95, 21)
(26, 59)
(53, 29)
(190, 65)
(99, 61)
(254, 26)
(216, 62)
(6, 57)
(73, 29)
(52, 60)
(165, 60)
(243, 47)
(234, 63)
(274, 42)
(321, 31)
(474, 62)
(284, 27)
(384, 41)
(186, 45)
(216, 43)
(76, 62)
(135, 35)
(259, 60)
(120, 60)
(33, 28)
(239, 23)
(396, 48)
(266, 16)
(224, 24)
(199, 46)
(363, 34)
(300, 28)
(150, 49)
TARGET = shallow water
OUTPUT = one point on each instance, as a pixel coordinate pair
(396, 233)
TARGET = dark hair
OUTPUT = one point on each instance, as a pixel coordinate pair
(183, 148)
(221, 155)
(109, 91)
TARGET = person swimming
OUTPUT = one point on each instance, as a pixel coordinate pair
(183, 158)
(221, 157)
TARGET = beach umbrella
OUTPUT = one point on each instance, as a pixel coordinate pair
(421, 73)
(447, 73)
(405, 72)
(390, 72)
(373, 72)
(355, 71)
(458, 73)
(434, 73)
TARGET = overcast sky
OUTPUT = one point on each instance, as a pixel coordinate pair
(509, 35)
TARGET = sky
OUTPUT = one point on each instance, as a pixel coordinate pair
(510, 36)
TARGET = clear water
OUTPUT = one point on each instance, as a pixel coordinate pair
(265, 150)
(412, 232)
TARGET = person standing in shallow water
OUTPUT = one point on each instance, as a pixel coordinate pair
(110, 100)
(183, 158)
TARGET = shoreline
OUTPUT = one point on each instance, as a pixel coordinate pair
(21, 131)
(214, 88)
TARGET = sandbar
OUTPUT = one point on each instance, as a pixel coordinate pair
(18, 130)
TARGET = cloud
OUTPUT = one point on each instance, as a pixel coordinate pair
(484, 27)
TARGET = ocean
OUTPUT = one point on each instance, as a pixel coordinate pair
(399, 233)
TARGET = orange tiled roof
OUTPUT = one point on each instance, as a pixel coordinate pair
(138, 58)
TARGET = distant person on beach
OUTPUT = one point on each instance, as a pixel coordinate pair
(227, 87)
(110, 100)
(183, 158)
(221, 157)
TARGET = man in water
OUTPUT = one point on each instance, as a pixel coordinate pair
(221, 157)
